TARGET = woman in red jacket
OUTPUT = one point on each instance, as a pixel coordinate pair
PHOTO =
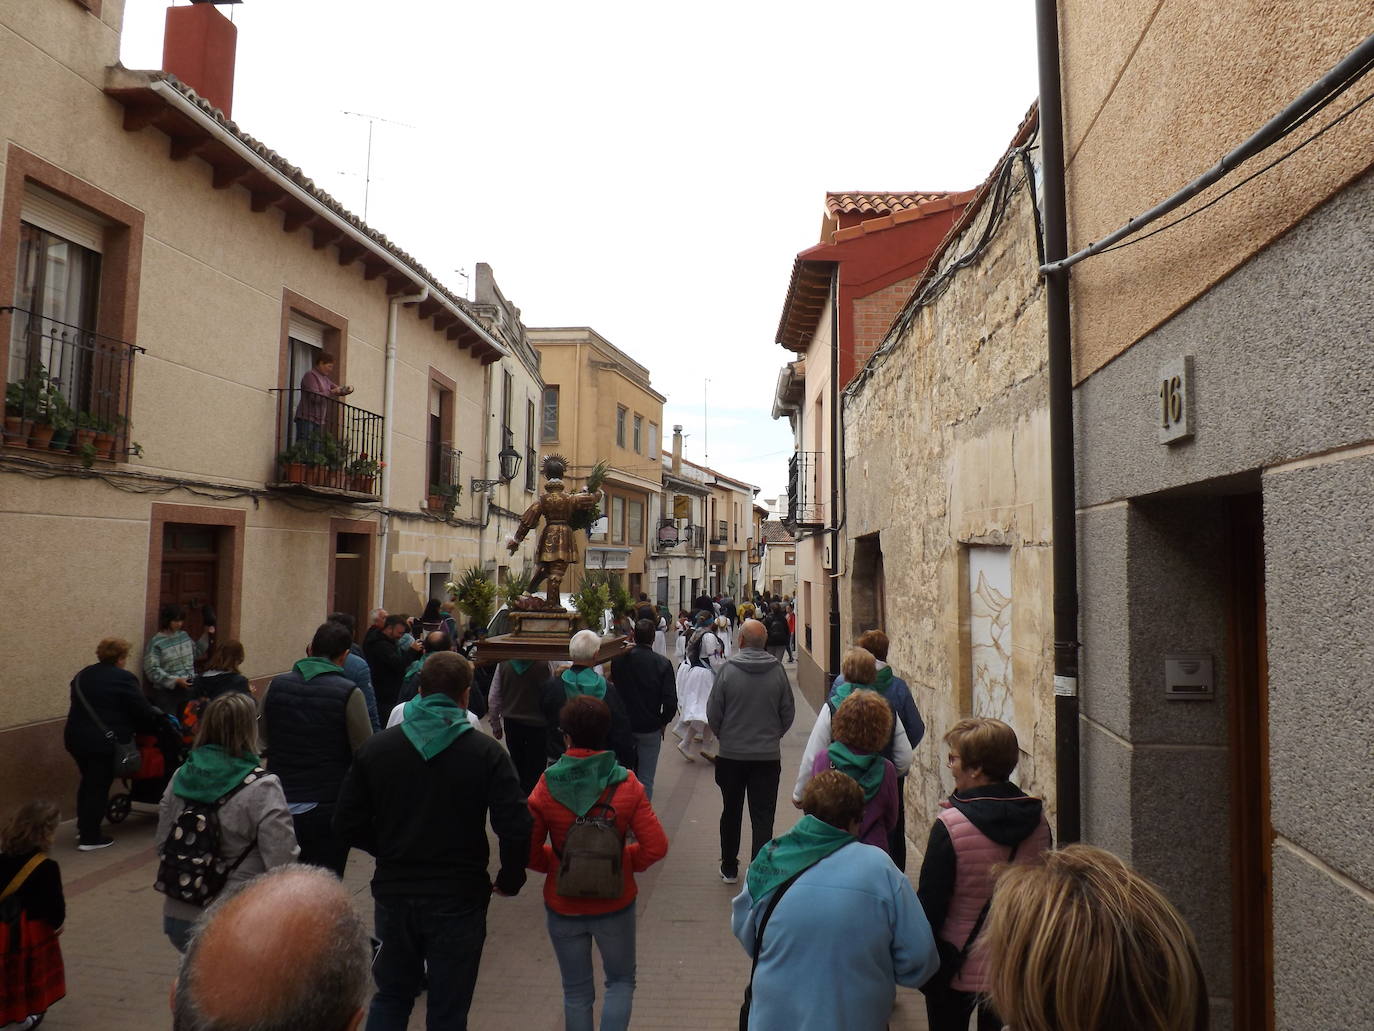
(587, 782)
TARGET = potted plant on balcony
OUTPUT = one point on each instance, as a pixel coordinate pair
(104, 437)
(291, 462)
(85, 430)
(63, 420)
(362, 474)
(444, 496)
(23, 401)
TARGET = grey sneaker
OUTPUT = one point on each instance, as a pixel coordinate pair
(730, 875)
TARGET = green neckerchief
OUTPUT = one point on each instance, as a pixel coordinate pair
(521, 665)
(312, 667)
(576, 782)
(415, 667)
(805, 845)
(868, 770)
(208, 774)
(584, 681)
(433, 722)
(843, 688)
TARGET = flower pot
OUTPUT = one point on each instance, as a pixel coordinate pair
(294, 472)
(42, 435)
(314, 475)
(25, 432)
(61, 440)
(12, 423)
(104, 444)
(359, 484)
(434, 502)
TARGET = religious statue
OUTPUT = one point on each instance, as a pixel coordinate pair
(558, 540)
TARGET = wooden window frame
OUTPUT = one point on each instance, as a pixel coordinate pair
(557, 413)
(121, 260)
(637, 433)
(448, 398)
(621, 418)
(335, 336)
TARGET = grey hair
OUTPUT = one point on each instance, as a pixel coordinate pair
(323, 993)
(373, 615)
(582, 648)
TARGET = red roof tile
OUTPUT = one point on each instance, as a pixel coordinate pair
(875, 204)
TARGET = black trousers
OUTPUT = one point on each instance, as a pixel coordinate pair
(756, 779)
(948, 1010)
(896, 841)
(320, 846)
(93, 793)
(528, 747)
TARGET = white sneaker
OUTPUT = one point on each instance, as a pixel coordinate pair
(729, 878)
(102, 843)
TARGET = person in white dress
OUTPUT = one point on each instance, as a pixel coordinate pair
(661, 636)
(695, 676)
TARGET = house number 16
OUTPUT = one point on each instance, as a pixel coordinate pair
(1176, 400)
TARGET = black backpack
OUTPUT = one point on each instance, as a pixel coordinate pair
(191, 869)
(590, 864)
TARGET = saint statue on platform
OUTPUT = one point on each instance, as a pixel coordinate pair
(563, 514)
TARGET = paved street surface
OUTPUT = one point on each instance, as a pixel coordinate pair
(691, 970)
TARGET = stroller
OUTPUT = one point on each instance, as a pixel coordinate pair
(163, 752)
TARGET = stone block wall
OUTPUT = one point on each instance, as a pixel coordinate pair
(946, 448)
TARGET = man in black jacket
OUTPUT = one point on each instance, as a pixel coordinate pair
(313, 719)
(387, 663)
(646, 684)
(418, 798)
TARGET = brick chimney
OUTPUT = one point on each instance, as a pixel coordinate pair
(677, 450)
(198, 48)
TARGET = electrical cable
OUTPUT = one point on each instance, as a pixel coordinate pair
(1236, 186)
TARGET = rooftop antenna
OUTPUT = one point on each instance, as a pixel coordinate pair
(467, 281)
(367, 174)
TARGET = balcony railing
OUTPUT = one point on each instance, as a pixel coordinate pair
(804, 504)
(327, 445)
(67, 389)
(689, 539)
(446, 464)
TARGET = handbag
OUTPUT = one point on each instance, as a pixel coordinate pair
(758, 947)
(128, 760)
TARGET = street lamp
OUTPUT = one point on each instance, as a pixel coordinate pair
(509, 461)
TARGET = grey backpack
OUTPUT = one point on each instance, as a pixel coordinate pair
(590, 864)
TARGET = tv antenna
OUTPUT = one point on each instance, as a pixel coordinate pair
(372, 120)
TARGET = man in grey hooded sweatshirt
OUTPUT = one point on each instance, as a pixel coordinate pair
(750, 709)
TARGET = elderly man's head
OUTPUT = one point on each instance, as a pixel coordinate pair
(287, 952)
(583, 646)
(753, 634)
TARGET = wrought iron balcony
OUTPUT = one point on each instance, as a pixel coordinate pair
(804, 504)
(445, 477)
(326, 446)
(67, 389)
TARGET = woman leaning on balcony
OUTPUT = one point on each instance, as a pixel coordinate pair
(317, 390)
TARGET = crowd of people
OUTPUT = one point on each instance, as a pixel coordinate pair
(378, 746)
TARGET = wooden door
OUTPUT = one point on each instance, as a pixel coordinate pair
(352, 553)
(1252, 834)
(189, 574)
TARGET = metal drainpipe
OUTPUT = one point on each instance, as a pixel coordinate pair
(388, 411)
(1063, 501)
(834, 659)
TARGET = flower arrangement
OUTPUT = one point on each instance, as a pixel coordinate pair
(475, 594)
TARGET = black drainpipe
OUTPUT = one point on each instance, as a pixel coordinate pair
(834, 663)
(1063, 501)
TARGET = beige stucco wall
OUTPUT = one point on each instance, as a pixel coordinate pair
(813, 589)
(1154, 94)
(946, 446)
(213, 277)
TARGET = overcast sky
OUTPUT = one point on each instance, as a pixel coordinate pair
(650, 170)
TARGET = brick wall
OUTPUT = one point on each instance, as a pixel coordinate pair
(873, 317)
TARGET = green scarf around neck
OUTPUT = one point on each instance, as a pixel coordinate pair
(310, 668)
(576, 782)
(843, 689)
(868, 770)
(521, 666)
(433, 722)
(805, 845)
(584, 681)
(209, 773)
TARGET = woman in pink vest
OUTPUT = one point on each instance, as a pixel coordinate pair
(987, 823)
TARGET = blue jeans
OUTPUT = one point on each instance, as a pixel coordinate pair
(649, 745)
(446, 933)
(177, 930)
(572, 937)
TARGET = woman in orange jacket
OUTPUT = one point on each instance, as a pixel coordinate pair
(588, 787)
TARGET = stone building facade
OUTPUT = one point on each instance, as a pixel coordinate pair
(947, 540)
(1238, 542)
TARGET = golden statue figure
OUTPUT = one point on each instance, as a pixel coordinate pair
(558, 539)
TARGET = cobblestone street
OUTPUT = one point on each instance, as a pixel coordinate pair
(691, 970)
